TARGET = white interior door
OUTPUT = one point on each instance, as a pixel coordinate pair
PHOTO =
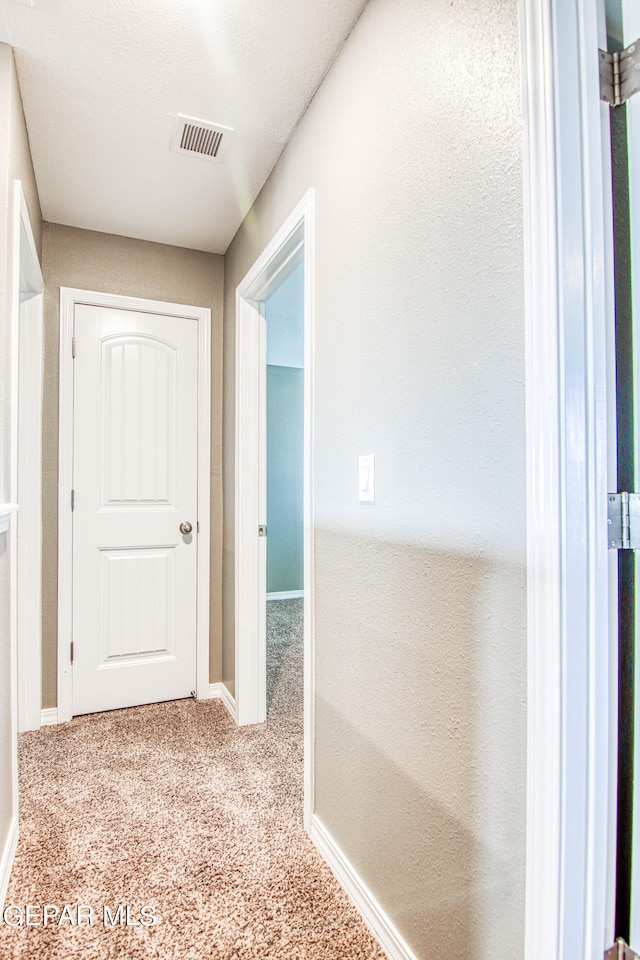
(135, 483)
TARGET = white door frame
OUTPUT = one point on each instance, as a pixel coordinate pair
(24, 489)
(26, 458)
(295, 235)
(567, 272)
(631, 28)
(69, 297)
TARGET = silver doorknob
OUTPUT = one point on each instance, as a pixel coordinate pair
(185, 527)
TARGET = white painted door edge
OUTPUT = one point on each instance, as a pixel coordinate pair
(68, 298)
(297, 230)
(286, 595)
(379, 923)
(26, 453)
(568, 673)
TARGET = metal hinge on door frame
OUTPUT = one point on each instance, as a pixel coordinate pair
(71, 651)
(620, 951)
(620, 74)
(623, 518)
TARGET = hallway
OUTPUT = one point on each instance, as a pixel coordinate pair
(172, 806)
(414, 232)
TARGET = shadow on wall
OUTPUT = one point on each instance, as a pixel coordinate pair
(421, 736)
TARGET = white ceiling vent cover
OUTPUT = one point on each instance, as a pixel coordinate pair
(200, 138)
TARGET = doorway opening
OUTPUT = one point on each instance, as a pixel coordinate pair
(284, 314)
(284, 269)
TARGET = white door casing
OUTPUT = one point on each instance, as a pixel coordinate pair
(22, 540)
(26, 536)
(134, 447)
(293, 241)
(566, 272)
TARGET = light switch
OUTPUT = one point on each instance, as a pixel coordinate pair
(366, 478)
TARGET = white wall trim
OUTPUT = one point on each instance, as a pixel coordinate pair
(8, 856)
(219, 691)
(380, 925)
(565, 323)
(294, 240)
(26, 538)
(69, 297)
(286, 595)
(48, 716)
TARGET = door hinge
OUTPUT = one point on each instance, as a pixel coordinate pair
(262, 530)
(71, 651)
(73, 347)
(620, 951)
(620, 74)
(623, 519)
(73, 500)
(197, 526)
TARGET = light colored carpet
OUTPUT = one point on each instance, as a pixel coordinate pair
(171, 805)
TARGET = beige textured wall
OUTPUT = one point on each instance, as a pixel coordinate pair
(414, 150)
(15, 162)
(136, 268)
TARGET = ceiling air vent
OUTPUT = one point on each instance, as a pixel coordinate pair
(200, 138)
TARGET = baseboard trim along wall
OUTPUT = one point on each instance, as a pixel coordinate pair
(372, 913)
(286, 595)
(218, 691)
(6, 863)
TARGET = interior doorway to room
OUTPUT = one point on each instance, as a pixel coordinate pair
(284, 315)
(282, 275)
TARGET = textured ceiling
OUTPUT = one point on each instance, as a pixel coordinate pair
(102, 81)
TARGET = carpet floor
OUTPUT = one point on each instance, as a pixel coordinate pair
(172, 807)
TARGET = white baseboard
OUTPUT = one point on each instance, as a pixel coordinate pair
(48, 716)
(372, 913)
(218, 691)
(286, 595)
(6, 863)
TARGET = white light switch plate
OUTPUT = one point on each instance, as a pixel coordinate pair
(366, 478)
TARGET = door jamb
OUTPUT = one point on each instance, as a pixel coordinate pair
(631, 30)
(69, 297)
(566, 298)
(250, 485)
(27, 383)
